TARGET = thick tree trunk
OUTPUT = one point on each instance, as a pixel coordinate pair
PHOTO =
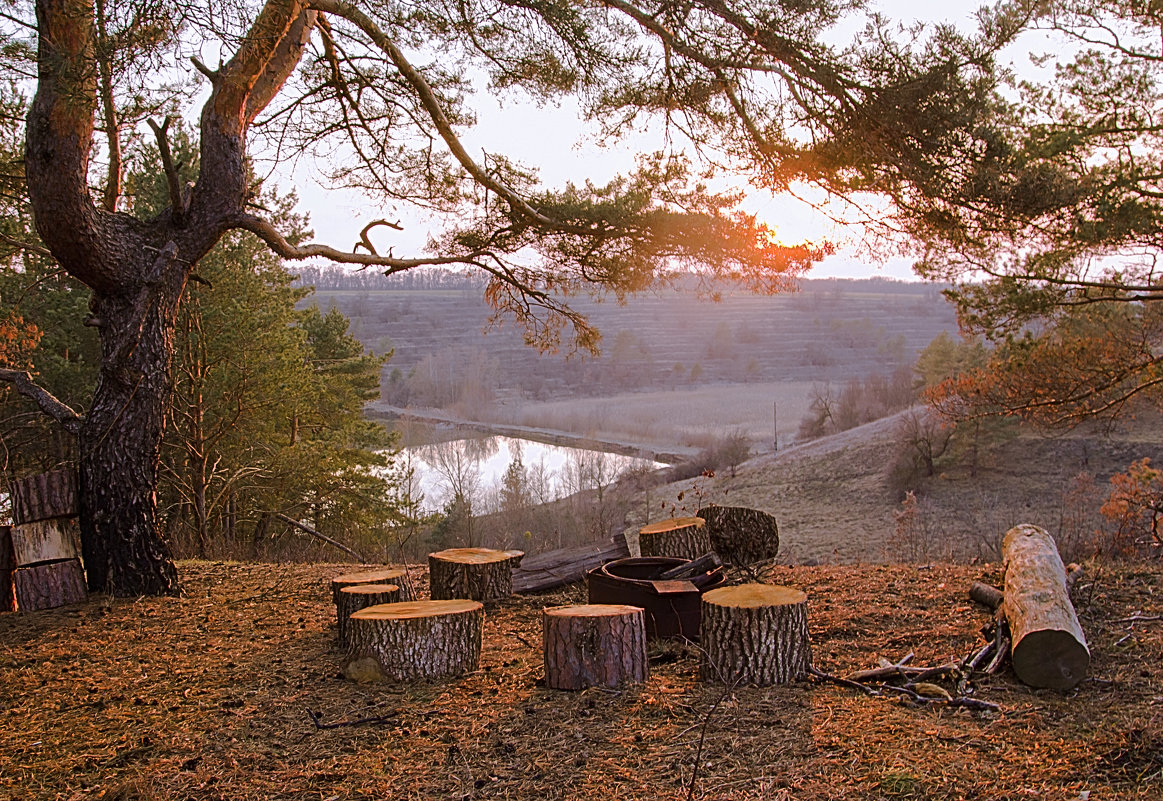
(754, 634)
(1049, 646)
(121, 438)
(594, 645)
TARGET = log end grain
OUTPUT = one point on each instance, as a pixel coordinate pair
(383, 575)
(1053, 660)
(755, 595)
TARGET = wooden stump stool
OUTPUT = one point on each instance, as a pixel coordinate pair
(681, 537)
(480, 574)
(594, 645)
(360, 596)
(383, 575)
(7, 565)
(754, 634)
(414, 640)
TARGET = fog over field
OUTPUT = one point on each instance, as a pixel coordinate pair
(674, 370)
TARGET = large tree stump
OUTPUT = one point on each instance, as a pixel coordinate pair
(480, 574)
(740, 535)
(754, 634)
(49, 585)
(383, 575)
(47, 540)
(414, 640)
(1049, 646)
(681, 537)
(44, 496)
(594, 645)
(360, 596)
(7, 565)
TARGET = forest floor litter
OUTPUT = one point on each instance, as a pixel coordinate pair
(234, 691)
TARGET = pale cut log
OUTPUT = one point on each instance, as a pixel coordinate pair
(740, 535)
(49, 585)
(1049, 647)
(382, 575)
(360, 596)
(754, 634)
(679, 537)
(414, 640)
(594, 645)
(479, 574)
(7, 565)
(544, 571)
(49, 540)
(45, 495)
(986, 595)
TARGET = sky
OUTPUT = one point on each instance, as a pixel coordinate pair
(555, 142)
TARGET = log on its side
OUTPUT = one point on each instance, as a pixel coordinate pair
(360, 596)
(594, 645)
(47, 540)
(414, 640)
(754, 634)
(740, 535)
(7, 565)
(49, 585)
(479, 574)
(544, 571)
(45, 495)
(680, 537)
(1049, 646)
(383, 575)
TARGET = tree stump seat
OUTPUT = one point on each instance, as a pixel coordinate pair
(680, 537)
(411, 640)
(382, 575)
(754, 634)
(351, 599)
(479, 574)
(594, 645)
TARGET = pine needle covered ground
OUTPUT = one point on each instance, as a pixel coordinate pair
(233, 691)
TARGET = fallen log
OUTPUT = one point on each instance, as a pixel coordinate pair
(705, 563)
(544, 571)
(1049, 647)
(986, 595)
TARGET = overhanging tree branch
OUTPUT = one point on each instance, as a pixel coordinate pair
(45, 400)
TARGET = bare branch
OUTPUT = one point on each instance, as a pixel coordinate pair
(30, 247)
(177, 200)
(45, 400)
(302, 527)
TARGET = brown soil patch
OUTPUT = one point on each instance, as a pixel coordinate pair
(215, 695)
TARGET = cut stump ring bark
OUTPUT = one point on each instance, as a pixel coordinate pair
(594, 645)
(1049, 647)
(383, 575)
(755, 634)
(350, 600)
(414, 640)
(680, 537)
(479, 574)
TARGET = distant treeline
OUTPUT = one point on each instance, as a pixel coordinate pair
(333, 277)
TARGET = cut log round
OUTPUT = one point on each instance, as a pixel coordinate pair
(361, 596)
(7, 565)
(681, 537)
(479, 574)
(49, 540)
(383, 575)
(1049, 647)
(740, 535)
(414, 640)
(49, 585)
(594, 645)
(45, 495)
(754, 634)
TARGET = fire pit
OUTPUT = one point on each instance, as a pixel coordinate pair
(672, 607)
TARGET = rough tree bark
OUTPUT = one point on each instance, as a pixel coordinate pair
(480, 574)
(414, 640)
(681, 537)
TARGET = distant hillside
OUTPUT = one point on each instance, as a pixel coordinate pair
(831, 330)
